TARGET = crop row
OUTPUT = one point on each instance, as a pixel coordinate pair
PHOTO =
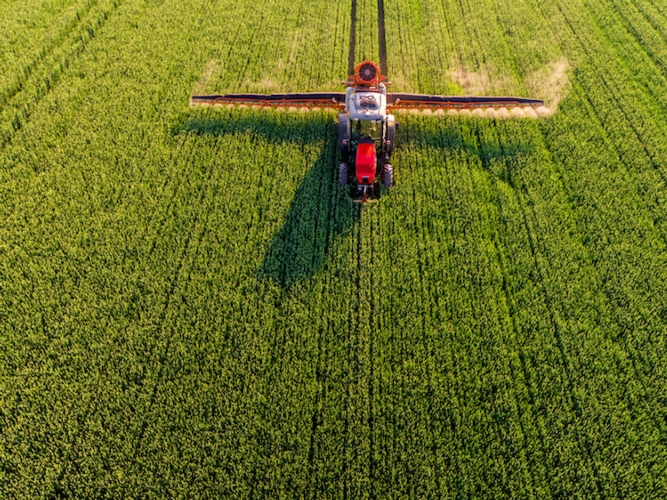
(366, 46)
(122, 210)
(585, 274)
(191, 306)
(37, 73)
(30, 32)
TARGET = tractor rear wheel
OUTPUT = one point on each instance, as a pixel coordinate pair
(388, 175)
(343, 133)
(390, 134)
(342, 174)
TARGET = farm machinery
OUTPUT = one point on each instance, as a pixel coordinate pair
(366, 124)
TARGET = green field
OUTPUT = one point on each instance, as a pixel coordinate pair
(190, 307)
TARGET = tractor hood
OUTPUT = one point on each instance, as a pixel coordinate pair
(365, 163)
(366, 105)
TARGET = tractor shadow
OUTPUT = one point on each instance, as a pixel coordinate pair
(320, 212)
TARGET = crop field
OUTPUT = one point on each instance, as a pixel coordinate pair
(190, 306)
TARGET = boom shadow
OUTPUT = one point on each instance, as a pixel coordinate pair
(320, 213)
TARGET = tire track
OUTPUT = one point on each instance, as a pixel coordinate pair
(327, 193)
(612, 89)
(482, 218)
(633, 354)
(382, 40)
(13, 122)
(565, 358)
(625, 112)
(190, 250)
(655, 23)
(18, 85)
(629, 114)
(511, 311)
(641, 41)
(372, 465)
(595, 114)
(79, 414)
(56, 488)
(353, 38)
(573, 399)
(533, 240)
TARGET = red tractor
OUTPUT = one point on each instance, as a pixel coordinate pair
(366, 126)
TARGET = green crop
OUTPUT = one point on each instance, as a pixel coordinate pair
(190, 307)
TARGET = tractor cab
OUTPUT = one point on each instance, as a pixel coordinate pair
(366, 130)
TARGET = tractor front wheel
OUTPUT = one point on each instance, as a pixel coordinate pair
(388, 175)
(342, 174)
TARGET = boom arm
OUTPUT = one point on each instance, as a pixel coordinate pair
(296, 100)
(435, 102)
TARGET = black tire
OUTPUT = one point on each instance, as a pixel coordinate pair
(388, 175)
(391, 135)
(342, 174)
(343, 133)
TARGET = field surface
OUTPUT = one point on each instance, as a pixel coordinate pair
(190, 307)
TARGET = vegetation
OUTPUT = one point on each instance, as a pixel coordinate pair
(190, 306)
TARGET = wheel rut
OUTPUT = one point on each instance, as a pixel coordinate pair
(18, 85)
(353, 37)
(382, 40)
(86, 27)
